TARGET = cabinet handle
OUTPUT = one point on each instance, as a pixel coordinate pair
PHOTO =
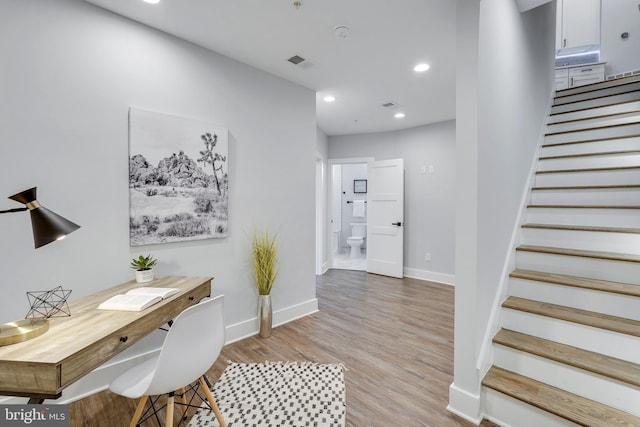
(571, 84)
(586, 69)
(564, 43)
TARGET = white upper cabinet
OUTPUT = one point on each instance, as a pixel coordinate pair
(578, 23)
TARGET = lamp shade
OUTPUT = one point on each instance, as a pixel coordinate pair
(47, 225)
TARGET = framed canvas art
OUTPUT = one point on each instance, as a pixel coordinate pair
(359, 186)
(178, 179)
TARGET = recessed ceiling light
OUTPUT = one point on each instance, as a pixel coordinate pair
(399, 115)
(329, 98)
(421, 67)
(151, 1)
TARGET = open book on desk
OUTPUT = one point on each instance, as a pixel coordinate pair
(137, 299)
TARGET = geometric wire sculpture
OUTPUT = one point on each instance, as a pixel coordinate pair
(46, 304)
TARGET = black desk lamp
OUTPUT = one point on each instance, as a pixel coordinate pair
(47, 227)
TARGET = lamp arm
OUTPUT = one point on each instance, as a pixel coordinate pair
(14, 210)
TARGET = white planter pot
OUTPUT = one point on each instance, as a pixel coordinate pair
(143, 276)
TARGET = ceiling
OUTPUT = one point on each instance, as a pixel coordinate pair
(372, 66)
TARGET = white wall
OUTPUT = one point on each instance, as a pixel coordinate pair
(622, 55)
(497, 142)
(322, 205)
(69, 73)
(429, 197)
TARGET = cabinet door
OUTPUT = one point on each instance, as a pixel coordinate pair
(580, 23)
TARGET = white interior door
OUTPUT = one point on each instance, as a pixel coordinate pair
(385, 222)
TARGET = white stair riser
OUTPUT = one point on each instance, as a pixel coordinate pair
(608, 177)
(600, 197)
(595, 112)
(509, 412)
(609, 343)
(594, 268)
(621, 118)
(591, 147)
(600, 85)
(605, 92)
(594, 103)
(591, 386)
(628, 218)
(570, 296)
(599, 161)
(591, 134)
(624, 243)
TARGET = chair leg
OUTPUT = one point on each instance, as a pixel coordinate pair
(183, 401)
(139, 409)
(212, 402)
(170, 400)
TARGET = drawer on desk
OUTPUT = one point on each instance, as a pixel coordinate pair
(141, 325)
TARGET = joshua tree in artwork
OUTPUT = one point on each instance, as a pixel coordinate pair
(208, 156)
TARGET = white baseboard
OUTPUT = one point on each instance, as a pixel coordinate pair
(464, 404)
(248, 328)
(432, 276)
(99, 379)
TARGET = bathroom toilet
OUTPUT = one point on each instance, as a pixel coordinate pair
(358, 234)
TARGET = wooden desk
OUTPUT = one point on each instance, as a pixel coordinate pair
(73, 346)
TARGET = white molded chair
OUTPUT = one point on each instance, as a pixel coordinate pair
(190, 348)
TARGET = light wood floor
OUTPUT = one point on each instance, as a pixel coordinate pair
(395, 337)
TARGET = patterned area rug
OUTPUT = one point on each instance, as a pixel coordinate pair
(278, 394)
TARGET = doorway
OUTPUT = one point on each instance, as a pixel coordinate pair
(348, 213)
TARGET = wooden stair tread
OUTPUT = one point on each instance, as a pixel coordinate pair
(583, 207)
(611, 256)
(591, 87)
(592, 108)
(584, 141)
(562, 100)
(577, 282)
(611, 367)
(589, 187)
(583, 317)
(607, 169)
(583, 228)
(589, 129)
(566, 405)
(601, 153)
(601, 116)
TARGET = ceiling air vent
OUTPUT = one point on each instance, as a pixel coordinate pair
(296, 60)
(301, 61)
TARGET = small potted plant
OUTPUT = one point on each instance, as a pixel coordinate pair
(143, 265)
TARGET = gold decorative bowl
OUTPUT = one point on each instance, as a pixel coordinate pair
(22, 330)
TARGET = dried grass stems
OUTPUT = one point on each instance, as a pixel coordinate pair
(265, 260)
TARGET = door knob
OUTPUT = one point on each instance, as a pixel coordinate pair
(397, 223)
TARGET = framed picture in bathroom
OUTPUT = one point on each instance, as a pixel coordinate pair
(359, 185)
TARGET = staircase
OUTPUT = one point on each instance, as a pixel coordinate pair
(568, 352)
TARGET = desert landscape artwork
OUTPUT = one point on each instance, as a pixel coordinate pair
(178, 179)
